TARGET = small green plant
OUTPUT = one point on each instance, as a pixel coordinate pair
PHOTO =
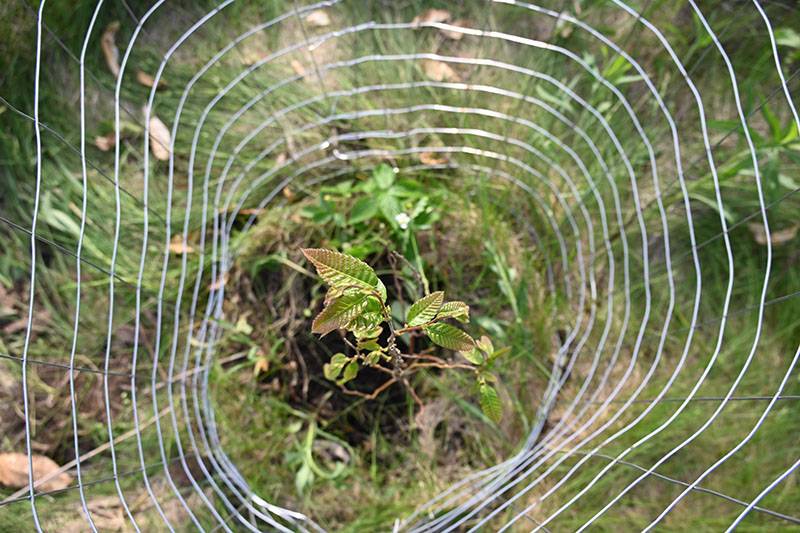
(356, 303)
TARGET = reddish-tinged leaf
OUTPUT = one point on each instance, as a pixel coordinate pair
(339, 313)
(341, 270)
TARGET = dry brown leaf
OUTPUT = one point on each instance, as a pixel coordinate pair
(14, 472)
(288, 193)
(109, 46)
(452, 34)
(106, 142)
(262, 365)
(318, 18)
(15, 326)
(148, 81)
(219, 282)
(432, 158)
(177, 246)
(252, 52)
(298, 68)
(432, 15)
(252, 211)
(438, 71)
(775, 237)
(160, 139)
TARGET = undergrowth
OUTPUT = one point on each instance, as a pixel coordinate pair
(293, 435)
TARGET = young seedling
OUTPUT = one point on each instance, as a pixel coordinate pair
(356, 303)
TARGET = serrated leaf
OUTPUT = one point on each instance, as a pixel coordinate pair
(485, 344)
(449, 337)
(490, 403)
(341, 270)
(335, 292)
(333, 368)
(425, 309)
(474, 356)
(457, 310)
(367, 324)
(339, 313)
(350, 372)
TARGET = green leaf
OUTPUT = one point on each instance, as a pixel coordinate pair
(787, 37)
(499, 353)
(449, 337)
(490, 403)
(373, 357)
(242, 326)
(474, 356)
(368, 344)
(485, 344)
(773, 121)
(383, 176)
(457, 310)
(350, 372)
(363, 209)
(382, 291)
(341, 270)
(367, 332)
(339, 313)
(390, 208)
(303, 478)
(333, 368)
(367, 324)
(425, 309)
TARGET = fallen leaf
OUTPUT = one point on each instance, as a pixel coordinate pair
(775, 237)
(160, 139)
(177, 246)
(288, 193)
(14, 472)
(563, 28)
(252, 211)
(438, 71)
(261, 365)
(452, 34)
(148, 81)
(219, 282)
(318, 18)
(15, 326)
(432, 158)
(109, 46)
(252, 52)
(298, 68)
(432, 15)
(106, 142)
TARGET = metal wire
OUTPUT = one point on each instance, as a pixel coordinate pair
(599, 170)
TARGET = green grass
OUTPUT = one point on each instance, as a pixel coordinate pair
(478, 248)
